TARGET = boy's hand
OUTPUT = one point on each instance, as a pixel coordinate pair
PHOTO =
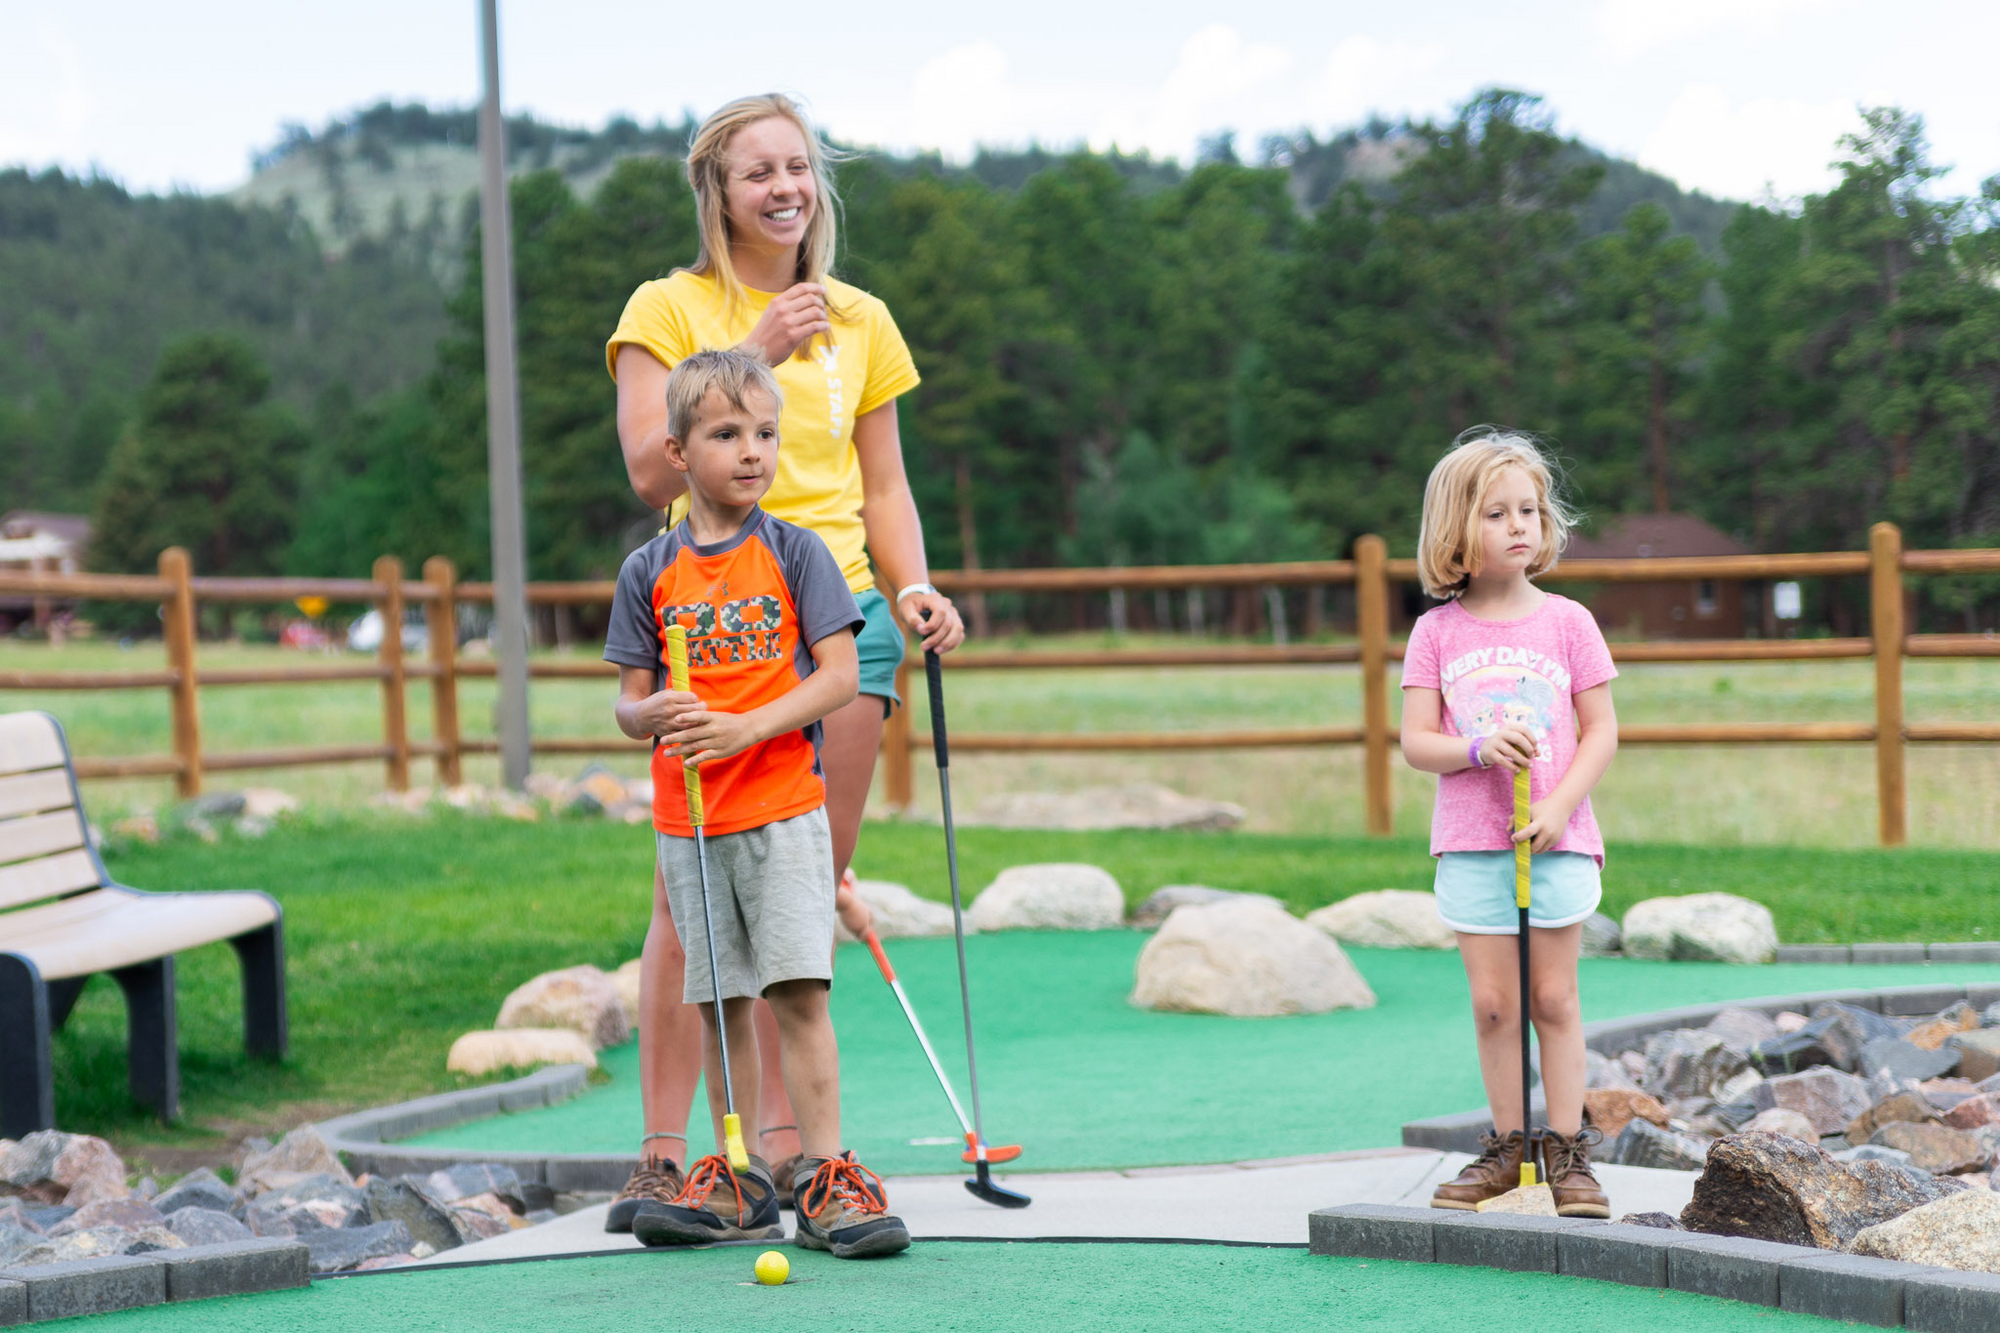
(661, 713)
(706, 735)
(1510, 748)
(1547, 821)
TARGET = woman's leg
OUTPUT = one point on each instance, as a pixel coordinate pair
(670, 1044)
(1558, 1018)
(852, 739)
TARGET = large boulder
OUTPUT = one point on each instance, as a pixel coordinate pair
(49, 1166)
(477, 1054)
(1601, 936)
(1386, 919)
(1772, 1187)
(1827, 1097)
(1701, 927)
(1132, 805)
(1246, 959)
(1161, 902)
(583, 999)
(1962, 1231)
(626, 981)
(899, 913)
(1055, 895)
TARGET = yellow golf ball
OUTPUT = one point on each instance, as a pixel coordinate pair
(772, 1268)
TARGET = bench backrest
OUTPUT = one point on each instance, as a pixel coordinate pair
(44, 851)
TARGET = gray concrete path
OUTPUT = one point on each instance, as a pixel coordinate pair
(1246, 1201)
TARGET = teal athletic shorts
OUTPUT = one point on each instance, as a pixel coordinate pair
(1475, 891)
(880, 645)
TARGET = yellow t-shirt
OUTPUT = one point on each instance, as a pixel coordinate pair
(818, 484)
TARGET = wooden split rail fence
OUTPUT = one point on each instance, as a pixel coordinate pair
(178, 591)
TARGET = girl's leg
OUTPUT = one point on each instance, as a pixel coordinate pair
(1492, 966)
(1558, 1018)
(852, 740)
(670, 1046)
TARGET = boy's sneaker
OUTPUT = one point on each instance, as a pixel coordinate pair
(842, 1209)
(715, 1204)
(1566, 1167)
(654, 1180)
(1496, 1170)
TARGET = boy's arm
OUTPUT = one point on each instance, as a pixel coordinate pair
(1597, 742)
(1428, 750)
(644, 712)
(836, 679)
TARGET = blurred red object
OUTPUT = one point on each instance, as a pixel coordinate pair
(304, 634)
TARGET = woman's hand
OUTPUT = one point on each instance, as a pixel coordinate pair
(1510, 748)
(793, 317)
(932, 616)
(1548, 820)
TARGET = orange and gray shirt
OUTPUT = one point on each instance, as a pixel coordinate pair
(753, 607)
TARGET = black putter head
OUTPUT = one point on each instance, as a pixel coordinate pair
(981, 1186)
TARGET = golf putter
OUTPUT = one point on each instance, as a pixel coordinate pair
(1521, 904)
(732, 1124)
(981, 1186)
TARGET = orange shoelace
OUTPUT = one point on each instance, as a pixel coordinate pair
(706, 1177)
(848, 1181)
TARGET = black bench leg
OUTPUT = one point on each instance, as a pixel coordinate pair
(262, 953)
(27, 1079)
(62, 998)
(153, 1056)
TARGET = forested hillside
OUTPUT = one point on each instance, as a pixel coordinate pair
(1123, 361)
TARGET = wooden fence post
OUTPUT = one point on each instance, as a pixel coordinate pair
(395, 725)
(1885, 604)
(896, 782)
(1371, 596)
(441, 621)
(177, 623)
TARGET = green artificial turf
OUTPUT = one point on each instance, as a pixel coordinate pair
(1000, 1287)
(1086, 1081)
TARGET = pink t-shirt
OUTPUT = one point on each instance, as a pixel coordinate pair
(1492, 672)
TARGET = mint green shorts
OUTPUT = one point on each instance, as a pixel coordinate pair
(880, 646)
(1475, 891)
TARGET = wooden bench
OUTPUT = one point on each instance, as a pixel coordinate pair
(64, 919)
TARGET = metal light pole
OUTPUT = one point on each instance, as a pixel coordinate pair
(503, 417)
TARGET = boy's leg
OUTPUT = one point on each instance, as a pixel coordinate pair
(1492, 967)
(670, 1056)
(809, 1057)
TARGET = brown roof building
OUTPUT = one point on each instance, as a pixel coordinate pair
(1687, 609)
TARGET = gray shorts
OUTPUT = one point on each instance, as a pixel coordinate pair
(770, 892)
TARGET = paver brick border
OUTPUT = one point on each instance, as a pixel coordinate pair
(34, 1293)
(1793, 1277)
(1962, 951)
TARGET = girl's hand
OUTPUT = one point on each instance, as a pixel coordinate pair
(1547, 821)
(1510, 748)
(662, 712)
(935, 619)
(704, 735)
(793, 317)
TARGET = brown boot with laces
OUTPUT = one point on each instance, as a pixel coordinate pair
(1496, 1170)
(655, 1180)
(1566, 1168)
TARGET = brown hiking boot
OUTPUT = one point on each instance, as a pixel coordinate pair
(715, 1204)
(783, 1174)
(1496, 1170)
(843, 1210)
(654, 1180)
(1566, 1167)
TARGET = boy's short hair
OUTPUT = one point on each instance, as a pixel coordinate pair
(732, 372)
(1448, 542)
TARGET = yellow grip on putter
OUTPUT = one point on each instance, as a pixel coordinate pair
(732, 1137)
(677, 676)
(1521, 847)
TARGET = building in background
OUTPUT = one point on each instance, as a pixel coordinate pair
(1686, 609)
(40, 543)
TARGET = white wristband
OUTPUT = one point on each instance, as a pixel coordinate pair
(912, 591)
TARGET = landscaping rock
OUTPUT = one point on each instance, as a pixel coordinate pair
(94, 1243)
(1744, 1029)
(14, 1215)
(1962, 1232)
(1897, 1057)
(582, 999)
(626, 980)
(127, 1214)
(1658, 1221)
(1161, 902)
(1971, 1113)
(1054, 895)
(477, 1054)
(46, 1215)
(1739, 1087)
(196, 1225)
(1246, 959)
(1792, 1052)
(49, 1166)
(1611, 1109)
(404, 1200)
(1644, 1144)
(1875, 1152)
(340, 1251)
(198, 1189)
(1779, 1120)
(1601, 936)
(1827, 1097)
(16, 1240)
(1701, 927)
(1130, 805)
(150, 1239)
(471, 1179)
(301, 1153)
(492, 1207)
(1386, 919)
(1770, 1187)
(1978, 1053)
(899, 913)
(1936, 1148)
(1949, 1022)
(1687, 1062)
(475, 1225)
(1526, 1201)
(1846, 1028)
(1789, 1022)
(1898, 1108)
(1603, 1072)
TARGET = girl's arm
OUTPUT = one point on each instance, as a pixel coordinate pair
(642, 427)
(1598, 741)
(1428, 750)
(895, 537)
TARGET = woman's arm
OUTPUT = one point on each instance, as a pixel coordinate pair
(1428, 750)
(895, 537)
(642, 427)
(1595, 745)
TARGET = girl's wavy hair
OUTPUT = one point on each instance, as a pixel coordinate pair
(708, 177)
(1448, 542)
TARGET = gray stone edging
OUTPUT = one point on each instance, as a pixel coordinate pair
(1460, 1132)
(34, 1293)
(1796, 1278)
(367, 1139)
(1965, 951)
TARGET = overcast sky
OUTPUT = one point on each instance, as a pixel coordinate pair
(1730, 96)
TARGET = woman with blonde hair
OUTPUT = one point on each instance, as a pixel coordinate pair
(762, 282)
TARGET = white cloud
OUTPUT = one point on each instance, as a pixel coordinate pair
(1633, 26)
(962, 99)
(1363, 76)
(1219, 82)
(44, 98)
(1738, 151)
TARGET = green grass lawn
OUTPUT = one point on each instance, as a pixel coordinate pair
(403, 933)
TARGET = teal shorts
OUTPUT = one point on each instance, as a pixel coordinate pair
(1475, 891)
(880, 645)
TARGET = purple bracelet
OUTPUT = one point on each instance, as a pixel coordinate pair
(1472, 753)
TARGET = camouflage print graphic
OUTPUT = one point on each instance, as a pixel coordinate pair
(703, 613)
(768, 610)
